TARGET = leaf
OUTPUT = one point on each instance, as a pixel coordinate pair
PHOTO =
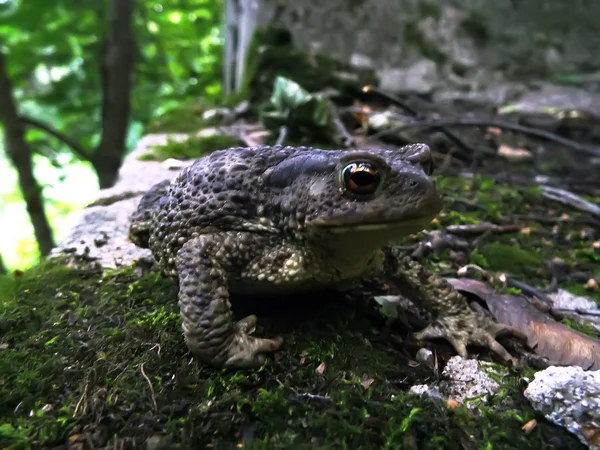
(292, 106)
(559, 344)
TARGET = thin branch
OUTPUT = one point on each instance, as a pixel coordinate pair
(77, 149)
(491, 123)
(396, 101)
(19, 154)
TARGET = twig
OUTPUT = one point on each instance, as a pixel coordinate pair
(344, 136)
(484, 227)
(309, 396)
(584, 312)
(77, 149)
(283, 132)
(569, 199)
(149, 384)
(83, 396)
(396, 101)
(491, 123)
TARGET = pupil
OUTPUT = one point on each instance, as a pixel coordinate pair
(362, 178)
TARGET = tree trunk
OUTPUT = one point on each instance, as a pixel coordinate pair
(20, 155)
(3, 270)
(117, 71)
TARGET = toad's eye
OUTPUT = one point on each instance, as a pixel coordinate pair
(361, 178)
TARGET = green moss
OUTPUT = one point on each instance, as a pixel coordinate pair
(102, 357)
(192, 148)
(186, 118)
(512, 259)
(189, 117)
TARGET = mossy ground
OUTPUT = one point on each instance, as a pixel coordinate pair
(100, 359)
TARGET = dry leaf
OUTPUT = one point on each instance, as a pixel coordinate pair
(514, 154)
(591, 285)
(321, 369)
(556, 342)
(529, 426)
(452, 403)
(592, 436)
(366, 383)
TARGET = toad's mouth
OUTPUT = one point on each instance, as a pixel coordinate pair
(405, 224)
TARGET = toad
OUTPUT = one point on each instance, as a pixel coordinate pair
(277, 220)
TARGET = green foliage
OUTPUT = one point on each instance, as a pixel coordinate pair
(304, 114)
(56, 68)
(55, 51)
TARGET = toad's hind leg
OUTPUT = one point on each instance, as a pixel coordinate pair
(203, 264)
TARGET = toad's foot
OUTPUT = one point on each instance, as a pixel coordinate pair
(461, 331)
(453, 320)
(203, 265)
(245, 351)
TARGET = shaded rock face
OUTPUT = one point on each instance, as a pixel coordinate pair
(569, 397)
(465, 38)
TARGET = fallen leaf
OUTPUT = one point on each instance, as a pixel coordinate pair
(591, 285)
(556, 342)
(529, 426)
(452, 403)
(592, 436)
(366, 383)
(321, 369)
(514, 154)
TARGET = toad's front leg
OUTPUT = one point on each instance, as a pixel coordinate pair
(203, 265)
(454, 320)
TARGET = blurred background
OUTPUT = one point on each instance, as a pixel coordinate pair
(73, 70)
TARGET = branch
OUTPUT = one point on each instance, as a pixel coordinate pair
(492, 123)
(3, 270)
(19, 154)
(116, 85)
(77, 149)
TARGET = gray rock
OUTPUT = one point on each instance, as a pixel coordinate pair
(421, 77)
(425, 356)
(361, 61)
(569, 397)
(463, 380)
(100, 233)
(550, 96)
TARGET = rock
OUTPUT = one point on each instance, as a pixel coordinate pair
(100, 233)
(443, 34)
(462, 380)
(562, 299)
(361, 61)
(572, 306)
(552, 97)
(425, 356)
(421, 77)
(569, 397)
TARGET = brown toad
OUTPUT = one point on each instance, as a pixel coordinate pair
(288, 219)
